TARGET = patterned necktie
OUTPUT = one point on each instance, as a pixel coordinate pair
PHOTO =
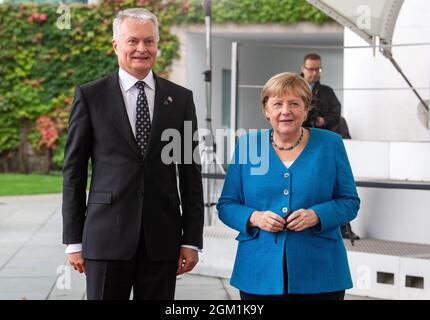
(143, 120)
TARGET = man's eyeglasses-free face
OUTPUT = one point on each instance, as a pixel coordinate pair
(318, 70)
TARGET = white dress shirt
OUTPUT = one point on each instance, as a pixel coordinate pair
(129, 93)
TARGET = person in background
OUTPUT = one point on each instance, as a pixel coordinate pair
(289, 218)
(325, 107)
(325, 111)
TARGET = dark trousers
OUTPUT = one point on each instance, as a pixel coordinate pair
(113, 280)
(336, 295)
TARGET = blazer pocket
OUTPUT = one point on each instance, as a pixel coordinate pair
(330, 234)
(174, 200)
(244, 237)
(100, 198)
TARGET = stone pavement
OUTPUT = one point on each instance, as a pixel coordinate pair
(33, 263)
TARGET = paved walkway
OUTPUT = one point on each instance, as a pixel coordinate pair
(33, 263)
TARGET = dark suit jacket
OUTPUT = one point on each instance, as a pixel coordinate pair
(324, 104)
(129, 194)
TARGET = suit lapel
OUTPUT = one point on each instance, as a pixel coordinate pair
(118, 111)
(161, 112)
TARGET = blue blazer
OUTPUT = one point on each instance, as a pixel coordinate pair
(319, 179)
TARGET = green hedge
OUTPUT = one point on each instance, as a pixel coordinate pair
(41, 64)
(253, 11)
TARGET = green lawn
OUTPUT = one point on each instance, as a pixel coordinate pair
(20, 184)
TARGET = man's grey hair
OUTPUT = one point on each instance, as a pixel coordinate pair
(134, 13)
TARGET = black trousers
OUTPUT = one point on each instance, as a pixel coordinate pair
(337, 295)
(113, 280)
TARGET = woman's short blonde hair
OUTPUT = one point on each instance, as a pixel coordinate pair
(285, 82)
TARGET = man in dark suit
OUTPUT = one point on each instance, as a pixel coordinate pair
(325, 107)
(134, 231)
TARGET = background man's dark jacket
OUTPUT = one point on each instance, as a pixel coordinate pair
(324, 104)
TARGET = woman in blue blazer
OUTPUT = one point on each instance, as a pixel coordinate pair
(287, 191)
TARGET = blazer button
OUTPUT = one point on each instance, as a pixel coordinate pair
(286, 175)
(286, 192)
(284, 209)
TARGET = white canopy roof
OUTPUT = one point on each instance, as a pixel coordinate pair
(370, 19)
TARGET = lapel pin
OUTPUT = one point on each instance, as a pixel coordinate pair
(169, 100)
